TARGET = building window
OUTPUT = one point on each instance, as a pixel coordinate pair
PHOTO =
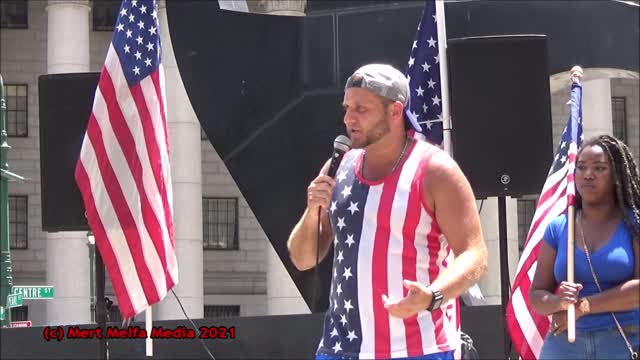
(619, 117)
(105, 13)
(526, 210)
(18, 215)
(20, 313)
(13, 14)
(218, 311)
(220, 223)
(16, 99)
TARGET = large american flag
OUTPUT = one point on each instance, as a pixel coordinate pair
(423, 71)
(526, 327)
(123, 171)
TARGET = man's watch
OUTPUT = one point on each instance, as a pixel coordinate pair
(436, 300)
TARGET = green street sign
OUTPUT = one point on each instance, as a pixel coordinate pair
(14, 300)
(34, 292)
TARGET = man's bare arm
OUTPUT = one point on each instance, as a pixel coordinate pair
(302, 242)
(448, 193)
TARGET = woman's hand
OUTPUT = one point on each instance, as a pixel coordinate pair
(568, 294)
(559, 320)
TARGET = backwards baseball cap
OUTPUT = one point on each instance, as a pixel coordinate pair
(388, 82)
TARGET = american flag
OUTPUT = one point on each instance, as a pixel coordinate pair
(423, 71)
(123, 172)
(526, 327)
(383, 235)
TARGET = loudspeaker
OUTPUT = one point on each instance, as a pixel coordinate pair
(501, 112)
(66, 101)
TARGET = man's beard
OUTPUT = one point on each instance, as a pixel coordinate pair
(379, 130)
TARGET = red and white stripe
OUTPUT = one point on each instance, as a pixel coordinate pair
(400, 240)
(124, 176)
(527, 328)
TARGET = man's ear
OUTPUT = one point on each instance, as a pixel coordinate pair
(398, 110)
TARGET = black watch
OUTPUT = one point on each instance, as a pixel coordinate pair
(436, 300)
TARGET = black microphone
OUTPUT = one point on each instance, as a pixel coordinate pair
(341, 145)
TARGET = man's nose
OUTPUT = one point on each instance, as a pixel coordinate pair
(348, 119)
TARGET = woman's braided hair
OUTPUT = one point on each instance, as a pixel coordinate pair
(625, 177)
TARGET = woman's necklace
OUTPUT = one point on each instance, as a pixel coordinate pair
(404, 149)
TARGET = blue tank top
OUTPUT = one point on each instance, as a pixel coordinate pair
(613, 263)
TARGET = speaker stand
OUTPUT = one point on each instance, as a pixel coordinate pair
(504, 270)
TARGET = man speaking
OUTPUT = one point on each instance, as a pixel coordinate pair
(402, 220)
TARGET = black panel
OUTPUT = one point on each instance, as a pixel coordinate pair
(485, 326)
(267, 337)
(374, 36)
(318, 53)
(252, 66)
(272, 133)
(501, 113)
(65, 106)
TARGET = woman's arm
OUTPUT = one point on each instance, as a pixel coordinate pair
(541, 296)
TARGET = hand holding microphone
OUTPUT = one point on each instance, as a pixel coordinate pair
(320, 190)
(319, 196)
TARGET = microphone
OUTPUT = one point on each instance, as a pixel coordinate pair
(341, 145)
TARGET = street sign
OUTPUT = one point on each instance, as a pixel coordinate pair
(34, 292)
(1, 313)
(19, 324)
(14, 300)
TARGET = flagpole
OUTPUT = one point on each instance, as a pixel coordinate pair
(576, 75)
(571, 310)
(444, 88)
(444, 76)
(148, 320)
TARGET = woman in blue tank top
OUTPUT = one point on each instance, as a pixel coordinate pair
(607, 233)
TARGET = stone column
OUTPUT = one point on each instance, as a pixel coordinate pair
(68, 36)
(186, 173)
(283, 7)
(596, 108)
(68, 263)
